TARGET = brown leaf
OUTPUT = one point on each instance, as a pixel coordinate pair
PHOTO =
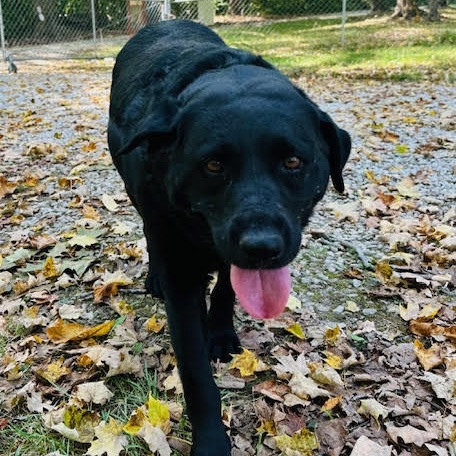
(272, 389)
(428, 357)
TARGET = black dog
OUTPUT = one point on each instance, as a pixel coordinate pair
(224, 159)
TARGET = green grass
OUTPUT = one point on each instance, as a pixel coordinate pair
(26, 435)
(374, 47)
(371, 45)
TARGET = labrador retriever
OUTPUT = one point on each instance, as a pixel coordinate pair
(224, 159)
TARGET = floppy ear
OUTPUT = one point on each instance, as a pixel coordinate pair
(339, 144)
(157, 128)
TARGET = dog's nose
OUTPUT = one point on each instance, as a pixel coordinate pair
(261, 245)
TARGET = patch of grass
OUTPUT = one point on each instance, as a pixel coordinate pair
(376, 47)
(26, 434)
(370, 44)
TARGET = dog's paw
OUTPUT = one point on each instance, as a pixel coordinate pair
(153, 286)
(217, 444)
(223, 343)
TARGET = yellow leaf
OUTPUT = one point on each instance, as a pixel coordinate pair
(331, 403)
(53, 371)
(246, 362)
(78, 169)
(332, 334)
(6, 187)
(335, 361)
(383, 271)
(110, 439)
(154, 325)
(345, 211)
(90, 212)
(49, 270)
(69, 182)
(304, 441)
(410, 120)
(428, 357)
(267, 426)
(61, 332)
(324, 374)
(157, 413)
(296, 330)
(81, 420)
(135, 422)
(401, 148)
(429, 311)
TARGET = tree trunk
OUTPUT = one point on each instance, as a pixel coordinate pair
(405, 9)
(434, 10)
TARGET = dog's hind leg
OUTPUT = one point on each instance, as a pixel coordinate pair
(222, 338)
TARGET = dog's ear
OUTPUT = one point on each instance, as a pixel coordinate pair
(157, 128)
(339, 143)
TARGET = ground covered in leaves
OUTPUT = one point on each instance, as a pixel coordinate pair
(361, 363)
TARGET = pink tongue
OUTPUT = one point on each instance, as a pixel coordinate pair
(262, 292)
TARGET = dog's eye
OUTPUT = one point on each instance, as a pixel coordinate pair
(292, 163)
(214, 166)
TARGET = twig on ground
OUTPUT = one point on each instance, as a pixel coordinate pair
(365, 262)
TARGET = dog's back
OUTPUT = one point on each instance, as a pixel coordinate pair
(161, 60)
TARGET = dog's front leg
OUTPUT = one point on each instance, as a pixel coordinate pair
(187, 315)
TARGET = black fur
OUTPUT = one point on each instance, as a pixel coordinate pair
(181, 99)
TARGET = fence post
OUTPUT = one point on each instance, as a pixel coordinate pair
(2, 33)
(166, 14)
(206, 11)
(94, 22)
(344, 19)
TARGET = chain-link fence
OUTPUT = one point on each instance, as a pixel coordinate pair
(46, 29)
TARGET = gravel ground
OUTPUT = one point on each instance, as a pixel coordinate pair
(53, 133)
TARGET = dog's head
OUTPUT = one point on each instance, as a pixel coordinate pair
(252, 155)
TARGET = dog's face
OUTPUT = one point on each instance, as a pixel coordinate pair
(254, 166)
(252, 158)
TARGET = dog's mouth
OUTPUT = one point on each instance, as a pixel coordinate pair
(263, 293)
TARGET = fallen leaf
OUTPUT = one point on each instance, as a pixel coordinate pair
(109, 439)
(305, 387)
(409, 434)
(154, 325)
(246, 362)
(331, 403)
(109, 203)
(345, 211)
(428, 357)
(53, 371)
(96, 392)
(110, 282)
(296, 330)
(366, 447)
(371, 407)
(303, 442)
(406, 187)
(61, 332)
